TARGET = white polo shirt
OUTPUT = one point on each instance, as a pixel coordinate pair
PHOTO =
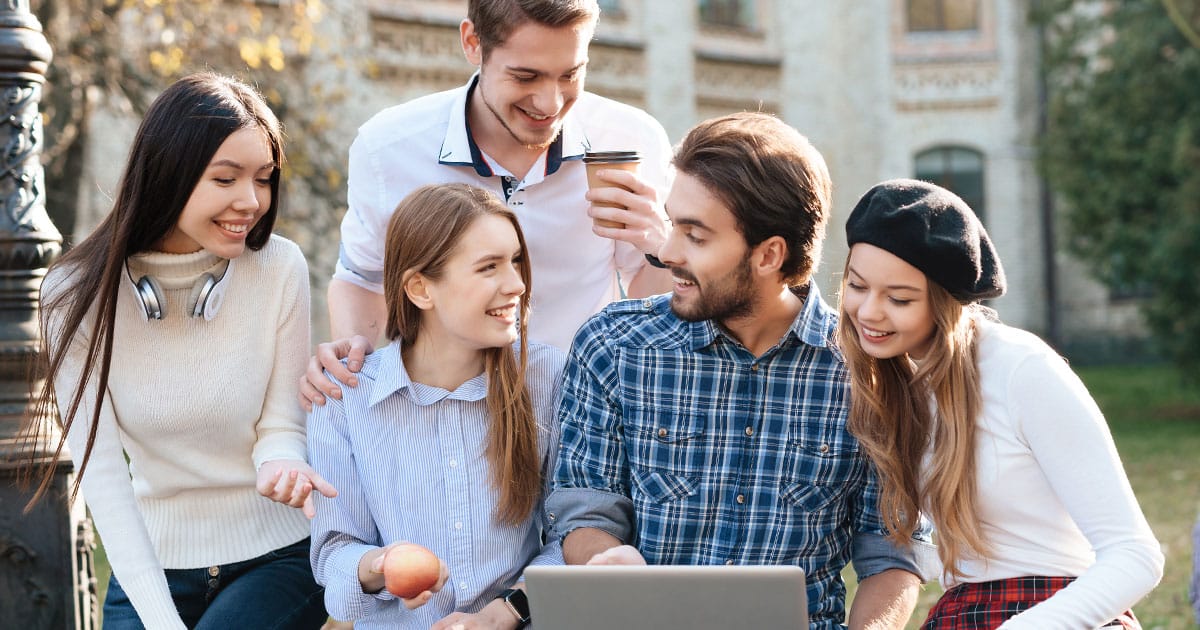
(427, 141)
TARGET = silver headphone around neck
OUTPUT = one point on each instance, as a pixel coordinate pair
(207, 294)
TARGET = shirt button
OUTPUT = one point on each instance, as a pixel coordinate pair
(729, 562)
(662, 433)
(647, 303)
(214, 571)
(824, 448)
(462, 585)
(741, 498)
(454, 463)
(754, 368)
(551, 516)
(749, 431)
(458, 525)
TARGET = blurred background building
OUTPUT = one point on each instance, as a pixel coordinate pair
(944, 90)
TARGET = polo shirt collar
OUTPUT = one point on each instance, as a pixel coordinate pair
(392, 378)
(811, 325)
(459, 147)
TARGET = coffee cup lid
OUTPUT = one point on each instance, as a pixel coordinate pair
(591, 157)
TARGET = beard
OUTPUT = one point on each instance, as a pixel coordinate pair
(723, 299)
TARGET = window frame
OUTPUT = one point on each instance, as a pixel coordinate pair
(940, 23)
(951, 179)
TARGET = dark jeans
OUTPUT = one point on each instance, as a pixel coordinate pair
(273, 591)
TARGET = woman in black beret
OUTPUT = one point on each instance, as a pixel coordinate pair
(983, 427)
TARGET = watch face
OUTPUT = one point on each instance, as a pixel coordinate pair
(519, 602)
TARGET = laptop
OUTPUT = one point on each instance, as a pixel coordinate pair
(665, 597)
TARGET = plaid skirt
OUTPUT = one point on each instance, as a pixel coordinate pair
(986, 605)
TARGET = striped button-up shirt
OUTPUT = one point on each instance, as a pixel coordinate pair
(678, 440)
(407, 460)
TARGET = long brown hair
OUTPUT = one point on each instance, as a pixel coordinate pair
(422, 235)
(891, 417)
(182, 130)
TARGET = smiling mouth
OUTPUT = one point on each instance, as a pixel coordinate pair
(537, 117)
(874, 334)
(236, 228)
(504, 312)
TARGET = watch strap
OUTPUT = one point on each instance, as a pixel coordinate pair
(518, 603)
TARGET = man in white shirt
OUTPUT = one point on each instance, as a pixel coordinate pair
(519, 128)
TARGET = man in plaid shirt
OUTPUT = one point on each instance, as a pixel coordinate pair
(708, 426)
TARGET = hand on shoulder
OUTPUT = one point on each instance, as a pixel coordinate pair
(315, 386)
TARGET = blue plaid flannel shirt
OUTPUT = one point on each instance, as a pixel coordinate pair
(677, 440)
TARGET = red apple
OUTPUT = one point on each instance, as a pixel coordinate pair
(409, 570)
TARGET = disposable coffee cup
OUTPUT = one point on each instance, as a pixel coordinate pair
(595, 161)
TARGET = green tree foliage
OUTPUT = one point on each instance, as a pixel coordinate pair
(1122, 150)
(122, 53)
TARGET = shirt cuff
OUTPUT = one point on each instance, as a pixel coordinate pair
(874, 553)
(280, 445)
(569, 509)
(344, 597)
(340, 272)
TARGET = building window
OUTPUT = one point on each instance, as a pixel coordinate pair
(728, 13)
(943, 15)
(957, 169)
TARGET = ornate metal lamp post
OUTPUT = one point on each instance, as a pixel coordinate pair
(46, 578)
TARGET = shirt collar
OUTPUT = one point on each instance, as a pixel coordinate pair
(459, 147)
(813, 325)
(391, 377)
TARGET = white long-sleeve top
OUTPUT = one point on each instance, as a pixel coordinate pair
(1053, 497)
(196, 406)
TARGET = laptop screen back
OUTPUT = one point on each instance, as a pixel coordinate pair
(658, 597)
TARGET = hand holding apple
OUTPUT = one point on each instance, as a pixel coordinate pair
(409, 570)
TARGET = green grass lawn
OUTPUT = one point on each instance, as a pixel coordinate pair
(1155, 419)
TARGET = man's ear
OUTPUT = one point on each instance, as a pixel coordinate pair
(471, 47)
(768, 256)
(416, 288)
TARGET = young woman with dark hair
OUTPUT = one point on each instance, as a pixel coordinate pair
(448, 439)
(174, 337)
(983, 427)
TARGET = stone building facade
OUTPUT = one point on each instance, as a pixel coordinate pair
(946, 90)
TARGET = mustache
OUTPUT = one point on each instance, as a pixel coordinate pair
(680, 272)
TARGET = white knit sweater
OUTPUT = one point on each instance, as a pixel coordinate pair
(196, 406)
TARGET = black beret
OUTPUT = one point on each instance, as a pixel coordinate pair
(933, 230)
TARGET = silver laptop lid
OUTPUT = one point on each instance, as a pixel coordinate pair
(666, 597)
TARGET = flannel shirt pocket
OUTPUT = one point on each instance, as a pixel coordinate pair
(661, 487)
(658, 439)
(819, 471)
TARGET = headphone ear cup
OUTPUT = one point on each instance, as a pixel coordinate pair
(216, 296)
(212, 294)
(150, 296)
(201, 294)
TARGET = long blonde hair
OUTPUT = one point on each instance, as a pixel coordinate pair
(890, 415)
(422, 234)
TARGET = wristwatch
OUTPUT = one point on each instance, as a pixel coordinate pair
(518, 604)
